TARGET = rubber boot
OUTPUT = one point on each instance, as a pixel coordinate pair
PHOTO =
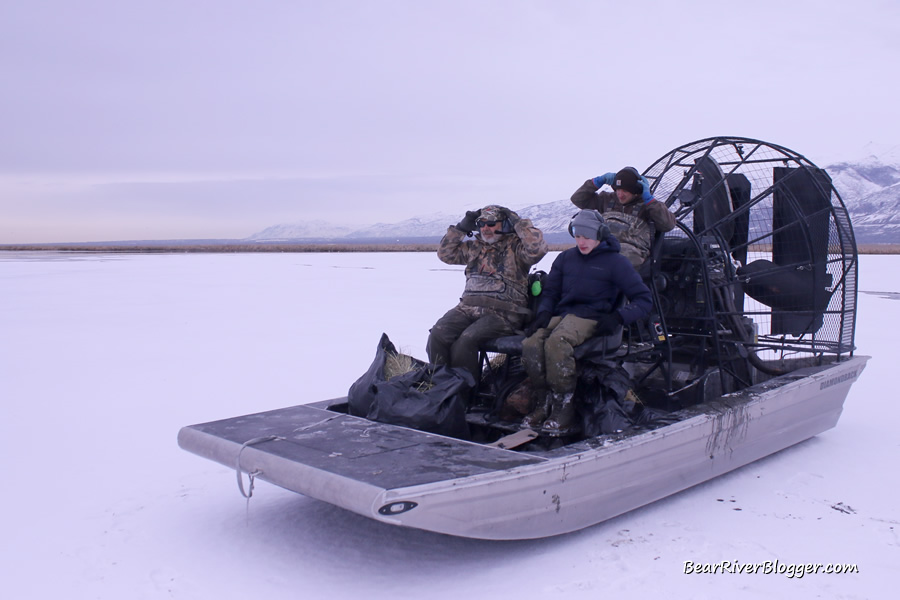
(563, 415)
(536, 418)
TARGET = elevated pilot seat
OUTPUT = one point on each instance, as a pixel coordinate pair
(499, 377)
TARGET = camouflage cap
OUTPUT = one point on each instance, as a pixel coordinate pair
(492, 212)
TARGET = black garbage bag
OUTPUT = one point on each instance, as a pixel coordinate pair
(427, 397)
(606, 405)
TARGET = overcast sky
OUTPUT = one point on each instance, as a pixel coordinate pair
(163, 119)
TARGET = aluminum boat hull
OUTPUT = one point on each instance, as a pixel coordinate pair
(415, 479)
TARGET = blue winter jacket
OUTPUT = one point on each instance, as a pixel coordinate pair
(586, 285)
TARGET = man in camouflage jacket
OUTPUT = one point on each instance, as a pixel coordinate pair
(633, 215)
(494, 301)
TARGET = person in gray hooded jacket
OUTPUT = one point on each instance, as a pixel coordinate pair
(578, 302)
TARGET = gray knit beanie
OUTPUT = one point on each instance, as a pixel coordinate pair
(590, 224)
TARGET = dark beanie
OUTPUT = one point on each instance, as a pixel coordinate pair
(628, 179)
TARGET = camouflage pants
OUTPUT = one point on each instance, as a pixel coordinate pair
(549, 355)
(457, 336)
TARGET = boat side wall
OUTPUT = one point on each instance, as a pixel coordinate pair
(573, 492)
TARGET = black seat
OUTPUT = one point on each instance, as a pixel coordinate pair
(510, 344)
(599, 346)
(605, 345)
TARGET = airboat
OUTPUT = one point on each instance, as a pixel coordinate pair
(750, 351)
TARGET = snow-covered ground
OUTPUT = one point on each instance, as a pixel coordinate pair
(103, 358)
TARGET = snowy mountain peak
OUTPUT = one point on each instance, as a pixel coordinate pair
(877, 152)
(306, 230)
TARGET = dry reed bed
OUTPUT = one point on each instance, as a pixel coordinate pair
(235, 248)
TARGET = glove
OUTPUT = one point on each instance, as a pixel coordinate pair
(608, 323)
(607, 179)
(510, 216)
(646, 196)
(467, 225)
(539, 322)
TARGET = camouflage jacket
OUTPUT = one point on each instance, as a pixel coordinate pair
(496, 274)
(634, 224)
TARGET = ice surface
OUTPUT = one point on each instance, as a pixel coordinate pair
(103, 358)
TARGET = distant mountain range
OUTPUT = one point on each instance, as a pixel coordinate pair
(551, 218)
(871, 192)
(870, 189)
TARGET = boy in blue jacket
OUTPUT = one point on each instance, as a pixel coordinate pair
(577, 303)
